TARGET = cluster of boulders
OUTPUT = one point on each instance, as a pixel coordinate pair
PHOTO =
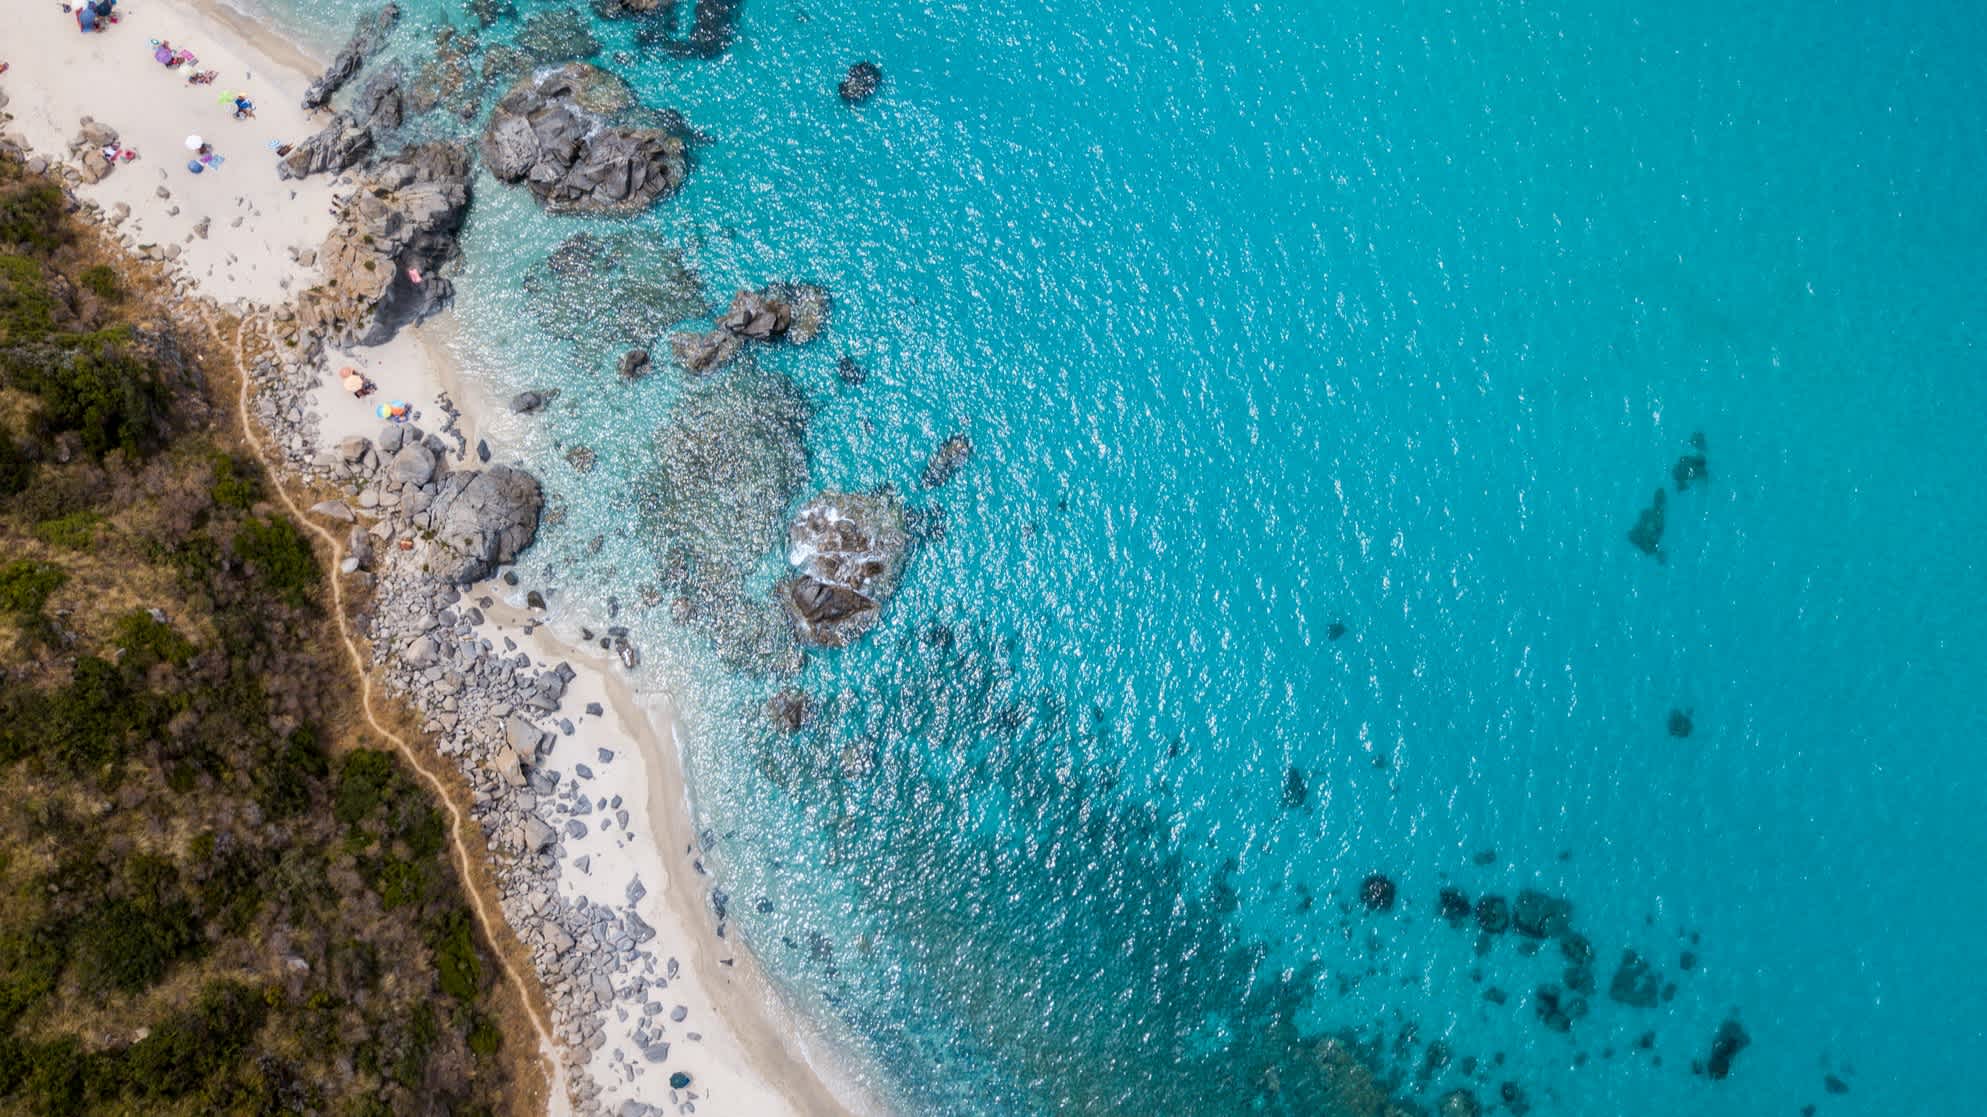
(498, 715)
(398, 228)
(456, 526)
(794, 312)
(847, 549)
(87, 149)
(422, 528)
(553, 132)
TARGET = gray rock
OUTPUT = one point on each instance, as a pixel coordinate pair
(950, 457)
(413, 465)
(420, 652)
(380, 104)
(522, 735)
(701, 353)
(853, 546)
(366, 40)
(551, 133)
(481, 521)
(337, 147)
(333, 509)
(634, 364)
(524, 403)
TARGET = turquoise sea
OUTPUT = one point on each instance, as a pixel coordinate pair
(1318, 360)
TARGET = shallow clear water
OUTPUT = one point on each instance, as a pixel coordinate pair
(1268, 319)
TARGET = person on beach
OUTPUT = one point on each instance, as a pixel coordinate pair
(244, 108)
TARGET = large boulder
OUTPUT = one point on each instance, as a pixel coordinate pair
(480, 520)
(380, 260)
(552, 132)
(848, 548)
(382, 103)
(336, 147)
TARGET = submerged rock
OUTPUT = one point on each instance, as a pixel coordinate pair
(1453, 906)
(1296, 792)
(1493, 914)
(552, 133)
(557, 35)
(1647, 534)
(612, 293)
(730, 460)
(701, 353)
(848, 548)
(861, 82)
(1635, 983)
(1537, 915)
(950, 457)
(1691, 467)
(1377, 892)
(789, 710)
(1680, 723)
(1725, 1047)
(634, 364)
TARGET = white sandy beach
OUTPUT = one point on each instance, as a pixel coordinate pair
(241, 235)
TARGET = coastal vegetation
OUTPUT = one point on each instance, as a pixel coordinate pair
(215, 897)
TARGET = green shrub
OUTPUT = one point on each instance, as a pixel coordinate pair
(76, 531)
(31, 215)
(101, 279)
(484, 1038)
(456, 964)
(129, 945)
(27, 584)
(94, 386)
(363, 780)
(147, 641)
(31, 959)
(277, 553)
(234, 486)
(16, 468)
(283, 784)
(27, 310)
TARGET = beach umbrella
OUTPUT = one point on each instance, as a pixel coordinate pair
(383, 411)
(354, 382)
(193, 143)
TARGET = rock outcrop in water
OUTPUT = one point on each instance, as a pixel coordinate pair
(366, 40)
(848, 548)
(400, 223)
(861, 83)
(794, 312)
(553, 133)
(950, 457)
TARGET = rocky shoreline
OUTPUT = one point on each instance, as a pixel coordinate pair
(428, 519)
